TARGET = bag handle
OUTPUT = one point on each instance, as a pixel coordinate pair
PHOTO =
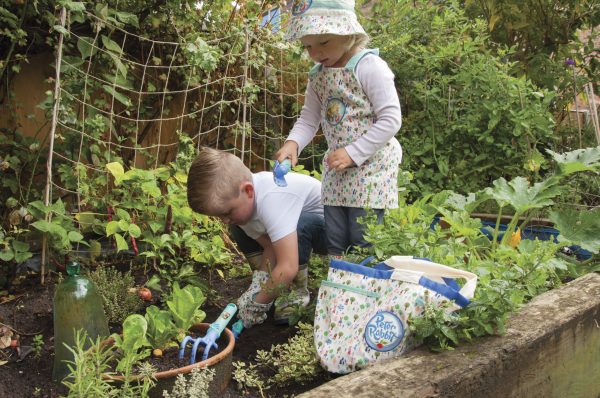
(447, 291)
(408, 268)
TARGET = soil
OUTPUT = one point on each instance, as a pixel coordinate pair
(28, 311)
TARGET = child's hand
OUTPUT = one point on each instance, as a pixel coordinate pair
(340, 160)
(250, 312)
(289, 150)
(259, 278)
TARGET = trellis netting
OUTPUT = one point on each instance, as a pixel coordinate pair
(121, 97)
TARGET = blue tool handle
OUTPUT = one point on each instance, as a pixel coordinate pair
(217, 326)
(280, 170)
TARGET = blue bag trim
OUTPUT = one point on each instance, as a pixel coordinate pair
(450, 289)
(445, 290)
(452, 283)
(383, 267)
(361, 269)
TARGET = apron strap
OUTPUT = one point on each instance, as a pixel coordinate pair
(351, 65)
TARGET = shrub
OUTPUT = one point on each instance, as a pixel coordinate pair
(467, 121)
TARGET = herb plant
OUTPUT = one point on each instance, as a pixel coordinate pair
(195, 386)
(294, 361)
(114, 288)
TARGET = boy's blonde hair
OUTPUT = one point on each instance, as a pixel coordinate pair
(215, 176)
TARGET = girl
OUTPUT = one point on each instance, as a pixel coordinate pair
(351, 95)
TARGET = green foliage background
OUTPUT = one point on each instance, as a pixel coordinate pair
(471, 114)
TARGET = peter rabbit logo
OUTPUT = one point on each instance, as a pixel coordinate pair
(384, 331)
(336, 110)
(300, 6)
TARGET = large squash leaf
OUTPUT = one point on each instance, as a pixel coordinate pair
(581, 228)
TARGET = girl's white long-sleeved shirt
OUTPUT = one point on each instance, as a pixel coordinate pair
(377, 81)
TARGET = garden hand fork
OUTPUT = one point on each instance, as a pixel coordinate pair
(209, 341)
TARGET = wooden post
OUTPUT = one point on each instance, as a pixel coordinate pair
(593, 110)
(244, 101)
(47, 193)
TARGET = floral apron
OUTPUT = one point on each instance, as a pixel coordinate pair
(347, 114)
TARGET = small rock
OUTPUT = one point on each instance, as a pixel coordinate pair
(24, 351)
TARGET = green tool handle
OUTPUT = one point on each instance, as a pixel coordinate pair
(226, 316)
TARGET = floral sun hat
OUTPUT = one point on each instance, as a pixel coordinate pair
(317, 17)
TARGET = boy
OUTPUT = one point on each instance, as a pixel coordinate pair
(278, 226)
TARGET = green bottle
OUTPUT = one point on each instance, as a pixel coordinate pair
(77, 305)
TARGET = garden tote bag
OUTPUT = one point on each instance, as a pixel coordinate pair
(362, 312)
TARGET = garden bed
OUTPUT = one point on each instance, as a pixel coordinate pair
(30, 313)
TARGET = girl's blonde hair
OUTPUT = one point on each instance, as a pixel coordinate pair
(360, 41)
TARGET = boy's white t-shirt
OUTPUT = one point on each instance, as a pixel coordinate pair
(277, 209)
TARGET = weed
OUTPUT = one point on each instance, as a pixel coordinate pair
(37, 345)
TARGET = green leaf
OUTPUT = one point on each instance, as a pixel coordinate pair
(6, 255)
(578, 227)
(587, 159)
(112, 227)
(466, 203)
(521, 196)
(111, 45)
(76, 6)
(121, 243)
(117, 171)
(74, 236)
(42, 225)
(118, 96)
(86, 47)
(154, 283)
(20, 246)
(121, 67)
(123, 225)
(183, 304)
(151, 189)
(22, 256)
(61, 29)
(134, 231)
(123, 215)
(161, 329)
(127, 18)
(134, 334)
